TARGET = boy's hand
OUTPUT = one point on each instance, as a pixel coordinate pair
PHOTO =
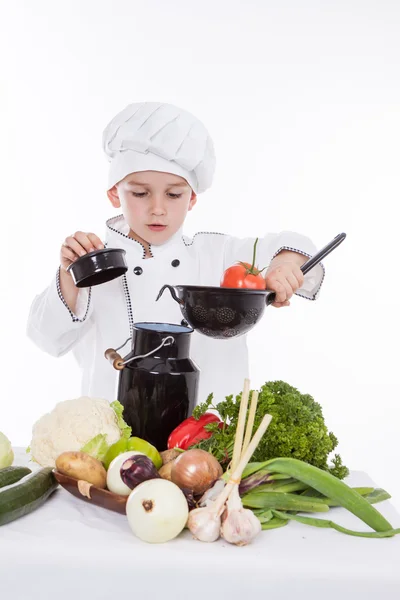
(284, 276)
(78, 245)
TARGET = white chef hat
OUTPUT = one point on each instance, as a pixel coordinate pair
(152, 136)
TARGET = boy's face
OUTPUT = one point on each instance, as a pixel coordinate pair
(154, 204)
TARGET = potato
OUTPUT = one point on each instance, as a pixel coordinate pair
(169, 455)
(165, 471)
(82, 466)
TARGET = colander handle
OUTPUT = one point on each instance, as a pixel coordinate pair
(270, 298)
(173, 294)
(312, 262)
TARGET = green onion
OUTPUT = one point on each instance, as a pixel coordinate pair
(371, 495)
(324, 523)
(295, 486)
(332, 488)
(377, 495)
(264, 516)
(363, 491)
(286, 485)
(283, 501)
(274, 523)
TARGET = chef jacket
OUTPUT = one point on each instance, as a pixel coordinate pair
(105, 314)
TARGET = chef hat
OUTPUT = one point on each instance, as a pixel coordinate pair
(152, 136)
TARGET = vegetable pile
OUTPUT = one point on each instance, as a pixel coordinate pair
(297, 430)
(204, 481)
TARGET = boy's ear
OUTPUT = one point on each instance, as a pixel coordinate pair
(193, 201)
(113, 197)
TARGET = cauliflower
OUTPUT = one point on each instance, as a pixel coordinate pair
(88, 424)
(6, 451)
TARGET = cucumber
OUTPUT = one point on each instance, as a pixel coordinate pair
(26, 495)
(10, 475)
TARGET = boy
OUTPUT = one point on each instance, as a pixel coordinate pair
(161, 157)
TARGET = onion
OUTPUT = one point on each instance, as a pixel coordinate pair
(157, 511)
(196, 470)
(114, 480)
(137, 469)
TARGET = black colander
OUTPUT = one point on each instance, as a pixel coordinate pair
(223, 313)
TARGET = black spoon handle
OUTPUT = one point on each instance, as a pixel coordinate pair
(310, 264)
(314, 260)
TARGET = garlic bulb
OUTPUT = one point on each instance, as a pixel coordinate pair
(239, 525)
(204, 524)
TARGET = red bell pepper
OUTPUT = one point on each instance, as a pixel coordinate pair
(191, 431)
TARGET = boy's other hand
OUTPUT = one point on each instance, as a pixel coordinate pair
(78, 245)
(284, 276)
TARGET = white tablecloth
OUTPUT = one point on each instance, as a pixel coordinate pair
(69, 549)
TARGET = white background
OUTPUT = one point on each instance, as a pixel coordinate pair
(302, 101)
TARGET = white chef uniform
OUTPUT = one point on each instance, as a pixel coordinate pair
(107, 312)
(160, 137)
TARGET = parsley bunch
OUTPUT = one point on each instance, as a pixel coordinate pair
(297, 429)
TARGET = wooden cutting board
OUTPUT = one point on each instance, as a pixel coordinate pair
(90, 493)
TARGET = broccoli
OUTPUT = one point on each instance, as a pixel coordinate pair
(297, 429)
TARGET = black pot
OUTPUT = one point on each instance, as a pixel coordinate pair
(98, 267)
(158, 391)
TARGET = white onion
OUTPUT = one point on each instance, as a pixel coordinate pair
(114, 481)
(157, 511)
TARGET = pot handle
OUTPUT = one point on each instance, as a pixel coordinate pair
(173, 294)
(119, 363)
(114, 358)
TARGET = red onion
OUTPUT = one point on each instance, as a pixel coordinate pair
(137, 469)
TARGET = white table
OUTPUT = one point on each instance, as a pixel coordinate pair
(68, 549)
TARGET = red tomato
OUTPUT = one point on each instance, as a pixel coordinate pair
(244, 275)
(240, 276)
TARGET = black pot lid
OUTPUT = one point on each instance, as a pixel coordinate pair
(98, 267)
